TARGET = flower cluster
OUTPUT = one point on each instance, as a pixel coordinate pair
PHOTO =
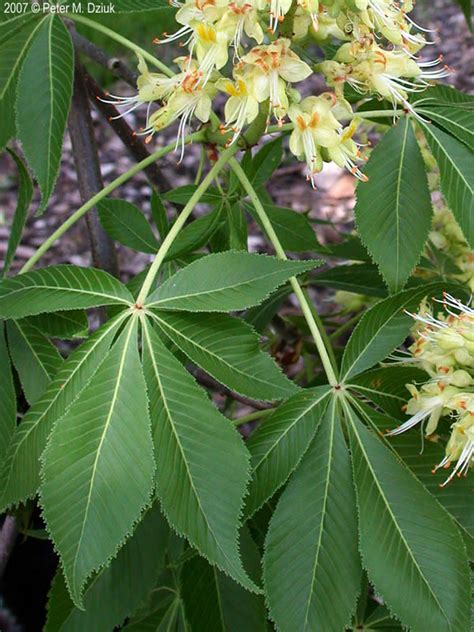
(246, 50)
(444, 348)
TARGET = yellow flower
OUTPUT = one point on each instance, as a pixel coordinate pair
(189, 99)
(318, 135)
(428, 403)
(391, 74)
(460, 447)
(269, 68)
(152, 86)
(241, 18)
(212, 49)
(241, 107)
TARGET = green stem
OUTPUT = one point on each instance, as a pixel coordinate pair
(121, 40)
(245, 419)
(45, 246)
(297, 289)
(181, 220)
(324, 335)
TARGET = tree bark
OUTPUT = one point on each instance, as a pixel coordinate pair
(88, 171)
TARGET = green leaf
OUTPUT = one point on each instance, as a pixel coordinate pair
(167, 615)
(117, 590)
(278, 444)
(159, 214)
(293, 229)
(215, 602)
(421, 455)
(386, 386)
(393, 210)
(361, 278)
(404, 529)
(98, 465)
(65, 325)
(15, 37)
(441, 94)
(19, 478)
(25, 193)
(125, 223)
(312, 568)
(7, 397)
(456, 166)
(380, 619)
(227, 348)
(261, 315)
(352, 249)
(201, 494)
(181, 195)
(47, 73)
(56, 288)
(381, 329)
(34, 357)
(265, 161)
(458, 121)
(223, 282)
(195, 235)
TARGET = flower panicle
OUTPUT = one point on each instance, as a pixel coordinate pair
(265, 68)
(444, 347)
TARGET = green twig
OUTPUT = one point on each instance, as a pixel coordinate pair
(46, 245)
(122, 40)
(297, 289)
(181, 220)
(322, 329)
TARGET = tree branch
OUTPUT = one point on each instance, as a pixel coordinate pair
(7, 541)
(206, 380)
(115, 65)
(88, 171)
(135, 146)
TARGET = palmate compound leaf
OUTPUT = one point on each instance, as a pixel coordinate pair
(117, 590)
(393, 210)
(277, 446)
(98, 465)
(382, 328)
(7, 397)
(225, 282)
(36, 360)
(47, 73)
(19, 476)
(57, 288)
(227, 348)
(202, 463)
(312, 567)
(410, 546)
